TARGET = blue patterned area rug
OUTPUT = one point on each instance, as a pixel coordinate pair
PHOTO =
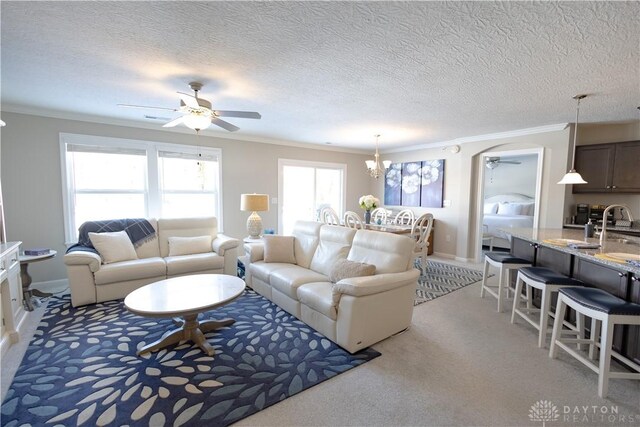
(441, 279)
(81, 367)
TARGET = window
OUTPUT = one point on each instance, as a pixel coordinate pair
(106, 178)
(307, 187)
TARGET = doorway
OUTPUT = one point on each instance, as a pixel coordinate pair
(509, 185)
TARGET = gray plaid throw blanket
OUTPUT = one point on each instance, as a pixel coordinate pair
(139, 231)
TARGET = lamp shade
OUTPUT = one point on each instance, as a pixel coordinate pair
(254, 202)
(196, 121)
(572, 177)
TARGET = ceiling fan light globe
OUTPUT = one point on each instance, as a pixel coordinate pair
(572, 177)
(197, 121)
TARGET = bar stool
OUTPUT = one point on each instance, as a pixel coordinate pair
(605, 311)
(548, 281)
(505, 263)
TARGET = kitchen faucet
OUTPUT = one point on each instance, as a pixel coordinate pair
(603, 233)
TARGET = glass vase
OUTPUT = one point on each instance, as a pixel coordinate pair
(367, 217)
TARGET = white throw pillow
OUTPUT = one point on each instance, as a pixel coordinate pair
(113, 246)
(490, 208)
(509, 209)
(189, 245)
(279, 249)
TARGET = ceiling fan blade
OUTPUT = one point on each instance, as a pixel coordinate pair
(174, 122)
(224, 125)
(189, 100)
(240, 114)
(146, 107)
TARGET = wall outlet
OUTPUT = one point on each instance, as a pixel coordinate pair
(448, 237)
(274, 200)
(446, 203)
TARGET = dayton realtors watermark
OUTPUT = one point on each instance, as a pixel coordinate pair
(546, 411)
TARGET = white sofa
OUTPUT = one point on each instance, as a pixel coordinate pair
(91, 281)
(354, 312)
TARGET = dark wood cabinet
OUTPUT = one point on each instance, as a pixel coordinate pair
(615, 282)
(609, 168)
(523, 249)
(626, 170)
(633, 335)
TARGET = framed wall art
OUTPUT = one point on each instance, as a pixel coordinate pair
(415, 184)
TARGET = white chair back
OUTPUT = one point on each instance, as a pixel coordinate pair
(329, 216)
(352, 220)
(404, 217)
(379, 214)
(420, 231)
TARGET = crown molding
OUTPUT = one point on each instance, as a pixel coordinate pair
(68, 115)
(486, 137)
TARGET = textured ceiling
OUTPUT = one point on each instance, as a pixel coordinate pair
(416, 72)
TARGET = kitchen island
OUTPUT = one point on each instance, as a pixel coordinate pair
(614, 244)
(548, 248)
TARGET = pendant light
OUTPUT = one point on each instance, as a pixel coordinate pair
(573, 177)
(373, 166)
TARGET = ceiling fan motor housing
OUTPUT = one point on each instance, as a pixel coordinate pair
(201, 102)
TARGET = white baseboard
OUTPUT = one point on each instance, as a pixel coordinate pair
(467, 260)
(51, 285)
(444, 255)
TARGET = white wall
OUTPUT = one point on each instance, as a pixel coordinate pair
(511, 178)
(32, 188)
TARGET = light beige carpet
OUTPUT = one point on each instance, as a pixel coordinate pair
(460, 364)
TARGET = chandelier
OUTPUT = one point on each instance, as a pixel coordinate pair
(373, 166)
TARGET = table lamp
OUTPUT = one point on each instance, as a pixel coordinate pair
(254, 203)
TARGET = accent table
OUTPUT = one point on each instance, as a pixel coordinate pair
(31, 294)
(186, 297)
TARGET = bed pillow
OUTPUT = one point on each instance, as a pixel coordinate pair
(343, 269)
(279, 249)
(490, 208)
(509, 209)
(528, 208)
(189, 245)
(113, 246)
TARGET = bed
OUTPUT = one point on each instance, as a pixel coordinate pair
(503, 211)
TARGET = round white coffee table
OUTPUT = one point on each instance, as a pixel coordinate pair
(186, 297)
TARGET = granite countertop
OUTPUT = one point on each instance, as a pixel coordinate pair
(542, 235)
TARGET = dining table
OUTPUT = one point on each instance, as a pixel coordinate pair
(389, 228)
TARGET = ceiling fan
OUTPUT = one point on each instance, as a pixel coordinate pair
(197, 113)
(494, 162)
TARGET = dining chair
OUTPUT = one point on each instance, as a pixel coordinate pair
(379, 214)
(404, 217)
(329, 216)
(352, 220)
(420, 231)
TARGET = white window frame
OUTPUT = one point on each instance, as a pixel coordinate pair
(306, 163)
(152, 187)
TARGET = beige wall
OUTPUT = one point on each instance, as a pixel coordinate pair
(599, 134)
(31, 180)
(455, 232)
(32, 186)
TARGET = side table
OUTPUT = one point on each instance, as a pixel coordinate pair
(30, 295)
